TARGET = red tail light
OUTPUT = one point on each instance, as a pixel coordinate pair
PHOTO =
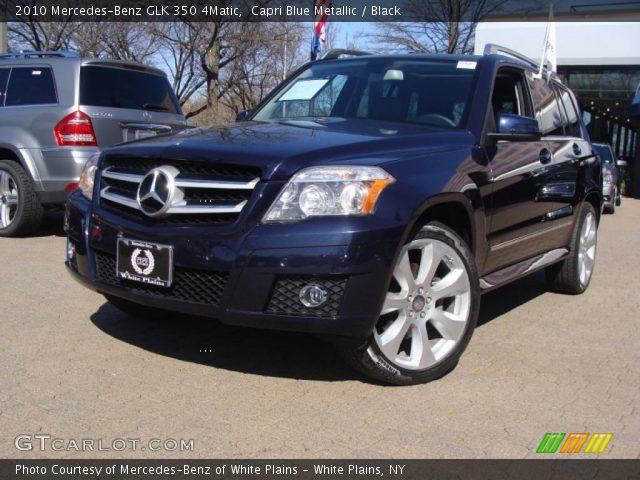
(75, 130)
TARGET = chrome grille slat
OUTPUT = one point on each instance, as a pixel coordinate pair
(107, 194)
(205, 209)
(194, 196)
(216, 184)
(125, 177)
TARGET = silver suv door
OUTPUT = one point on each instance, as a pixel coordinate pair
(127, 101)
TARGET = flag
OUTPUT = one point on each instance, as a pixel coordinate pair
(320, 14)
(549, 48)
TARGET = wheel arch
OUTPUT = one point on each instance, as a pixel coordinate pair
(455, 210)
(594, 198)
(8, 152)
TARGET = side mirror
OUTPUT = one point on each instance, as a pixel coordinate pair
(621, 163)
(516, 128)
(243, 115)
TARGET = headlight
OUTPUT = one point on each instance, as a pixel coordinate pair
(322, 191)
(607, 178)
(88, 175)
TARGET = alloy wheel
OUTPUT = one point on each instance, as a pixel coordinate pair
(8, 199)
(427, 307)
(587, 248)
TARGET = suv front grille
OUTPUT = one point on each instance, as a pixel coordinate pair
(189, 285)
(204, 194)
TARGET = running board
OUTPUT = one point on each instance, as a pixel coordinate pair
(514, 272)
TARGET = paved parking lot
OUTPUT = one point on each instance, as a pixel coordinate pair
(73, 367)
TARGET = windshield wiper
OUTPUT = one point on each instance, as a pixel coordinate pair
(153, 106)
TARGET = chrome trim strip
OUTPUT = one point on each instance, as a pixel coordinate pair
(125, 177)
(548, 258)
(217, 184)
(147, 126)
(529, 236)
(520, 269)
(121, 199)
(207, 209)
(185, 182)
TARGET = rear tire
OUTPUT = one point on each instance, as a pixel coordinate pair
(137, 310)
(20, 209)
(619, 198)
(428, 316)
(573, 275)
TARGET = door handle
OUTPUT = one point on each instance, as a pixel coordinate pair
(577, 150)
(545, 156)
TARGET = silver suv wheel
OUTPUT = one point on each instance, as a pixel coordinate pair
(424, 321)
(8, 198)
(587, 248)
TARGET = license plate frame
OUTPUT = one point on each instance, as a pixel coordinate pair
(147, 263)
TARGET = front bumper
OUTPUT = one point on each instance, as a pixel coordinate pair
(249, 277)
(608, 195)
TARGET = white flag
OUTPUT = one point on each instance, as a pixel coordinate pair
(549, 48)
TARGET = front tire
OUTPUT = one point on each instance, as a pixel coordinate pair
(573, 275)
(20, 209)
(428, 315)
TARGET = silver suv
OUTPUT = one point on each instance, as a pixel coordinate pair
(56, 111)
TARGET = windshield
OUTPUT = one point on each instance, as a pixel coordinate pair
(605, 153)
(416, 91)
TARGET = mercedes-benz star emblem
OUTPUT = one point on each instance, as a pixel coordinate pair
(157, 191)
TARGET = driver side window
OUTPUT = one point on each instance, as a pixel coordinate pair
(509, 94)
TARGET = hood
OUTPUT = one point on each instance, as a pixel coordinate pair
(281, 149)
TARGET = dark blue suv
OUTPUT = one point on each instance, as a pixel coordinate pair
(370, 199)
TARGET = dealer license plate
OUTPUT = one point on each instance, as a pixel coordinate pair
(145, 262)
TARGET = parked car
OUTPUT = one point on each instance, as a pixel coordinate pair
(611, 178)
(56, 110)
(370, 199)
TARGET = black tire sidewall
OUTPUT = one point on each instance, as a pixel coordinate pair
(21, 223)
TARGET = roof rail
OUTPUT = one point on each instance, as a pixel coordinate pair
(34, 53)
(490, 48)
(335, 53)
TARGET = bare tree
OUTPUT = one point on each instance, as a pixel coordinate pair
(178, 45)
(436, 26)
(280, 50)
(32, 34)
(118, 40)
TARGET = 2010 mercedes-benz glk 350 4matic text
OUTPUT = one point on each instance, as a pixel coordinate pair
(371, 199)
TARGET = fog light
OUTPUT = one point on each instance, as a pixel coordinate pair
(312, 296)
(71, 251)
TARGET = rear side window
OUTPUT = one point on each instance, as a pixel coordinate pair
(31, 86)
(572, 123)
(121, 88)
(546, 108)
(4, 76)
